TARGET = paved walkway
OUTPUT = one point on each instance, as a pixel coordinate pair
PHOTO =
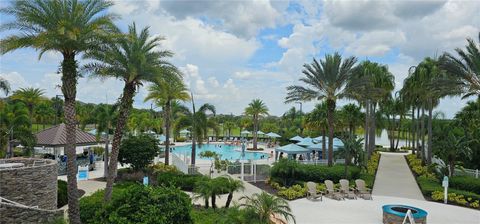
(395, 179)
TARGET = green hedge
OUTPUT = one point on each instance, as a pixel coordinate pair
(429, 185)
(135, 203)
(180, 180)
(289, 172)
(62, 197)
(466, 183)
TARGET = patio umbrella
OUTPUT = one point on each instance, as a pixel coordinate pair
(245, 132)
(273, 135)
(162, 138)
(184, 131)
(260, 132)
(296, 138)
(306, 142)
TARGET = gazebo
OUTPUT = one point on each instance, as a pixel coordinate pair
(292, 149)
(56, 138)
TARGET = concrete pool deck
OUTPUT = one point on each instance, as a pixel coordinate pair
(361, 211)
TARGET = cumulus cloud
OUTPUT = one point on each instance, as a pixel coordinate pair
(242, 18)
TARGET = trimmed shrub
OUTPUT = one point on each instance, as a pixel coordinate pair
(138, 151)
(289, 172)
(177, 179)
(62, 197)
(465, 183)
(140, 204)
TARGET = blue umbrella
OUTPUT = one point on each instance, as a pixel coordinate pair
(292, 149)
(296, 138)
(273, 135)
(306, 142)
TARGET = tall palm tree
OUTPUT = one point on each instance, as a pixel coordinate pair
(197, 121)
(256, 109)
(325, 80)
(370, 83)
(229, 125)
(4, 86)
(464, 70)
(30, 96)
(265, 206)
(318, 119)
(162, 93)
(68, 27)
(134, 59)
(105, 117)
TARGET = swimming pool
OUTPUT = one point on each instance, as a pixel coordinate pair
(228, 152)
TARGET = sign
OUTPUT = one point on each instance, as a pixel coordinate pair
(145, 180)
(409, 216)
(445, 189)
(82, 173)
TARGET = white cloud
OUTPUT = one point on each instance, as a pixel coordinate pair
(375, 43)
(15, 80)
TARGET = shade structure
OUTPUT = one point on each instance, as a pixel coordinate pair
(150, 132)
(296, 138)
(293, 149)
(336, 141)
(273, 135)
(162, 138)
(184, 131)
(306, 142)
(56, 136)
(260, 132)
(245, 132)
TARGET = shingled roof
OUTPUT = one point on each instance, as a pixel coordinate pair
(56, 136)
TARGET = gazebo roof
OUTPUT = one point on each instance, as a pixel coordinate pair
(292, 149)
(56, 136)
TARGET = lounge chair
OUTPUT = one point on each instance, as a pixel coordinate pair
(335, 194)
(345, 189)
(362, 190)
(312, 191)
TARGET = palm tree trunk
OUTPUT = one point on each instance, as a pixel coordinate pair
(324, 143)
(367, 110)
(194, 134)
(413, 130)
(69, 90)
(229, 199)
(371, 134)
(399, 131)
(125, 105)
(419, 149)
(331, 118)
(255, 127)
(167, 132)
(214, 203)
(430, 134)
(422, 123)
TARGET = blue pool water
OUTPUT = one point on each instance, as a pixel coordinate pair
(229, 152)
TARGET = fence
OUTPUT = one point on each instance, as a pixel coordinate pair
(467, 172)
(179, 163)
(251, 171)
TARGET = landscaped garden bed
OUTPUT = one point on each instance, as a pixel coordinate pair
(463, 190)
(288, 178)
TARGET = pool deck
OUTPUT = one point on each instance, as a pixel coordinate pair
(370, 211)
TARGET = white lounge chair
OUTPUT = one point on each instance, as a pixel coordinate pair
(345, 189)
(312, 191)
(362, 190)
(335, 194)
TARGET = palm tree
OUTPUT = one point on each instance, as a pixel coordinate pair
(370, 83)
(256, 109)
(45, 113)
(30, 96)
(265, 206)
(203, 189)
(133, 59)
(229, 125)
(69, 27)
(162, 93)
(352, 116)
(325, 80)
(197, 121)
(318, 119)
(451, 147)
(233, 185)
(105, 117)
(14, 123)
(4, 86)
(464, 70)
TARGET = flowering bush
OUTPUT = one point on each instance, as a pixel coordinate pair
(293, 192)
(456, 199)
(372, 163)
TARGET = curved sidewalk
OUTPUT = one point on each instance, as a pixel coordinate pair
(395, 179)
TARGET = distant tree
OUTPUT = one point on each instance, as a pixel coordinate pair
(256, 109)
(30, 96)
(138, 151)
(4, 86)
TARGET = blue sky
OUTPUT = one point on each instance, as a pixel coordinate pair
(234, 51)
